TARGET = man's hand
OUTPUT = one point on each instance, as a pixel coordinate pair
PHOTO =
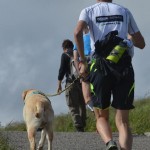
(83, 69)
(59, 89)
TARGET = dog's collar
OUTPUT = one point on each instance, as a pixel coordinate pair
(37, 92)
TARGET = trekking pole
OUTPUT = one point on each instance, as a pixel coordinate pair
(50, 95)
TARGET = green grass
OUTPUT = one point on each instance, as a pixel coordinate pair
(139, 120)
(140, 116)
(15, 126)
(63, 123)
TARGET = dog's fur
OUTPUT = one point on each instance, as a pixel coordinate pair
(38, 113)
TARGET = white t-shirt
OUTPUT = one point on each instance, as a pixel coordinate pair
(104, 17)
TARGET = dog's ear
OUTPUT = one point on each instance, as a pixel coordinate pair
(24, 93)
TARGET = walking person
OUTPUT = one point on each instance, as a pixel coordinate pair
(74, 96)
(87, 52)
(111, 72)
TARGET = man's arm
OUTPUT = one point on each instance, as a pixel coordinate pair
(78, 36)
(76, 60)
(61, 73)
(134, 32)
(137, 40)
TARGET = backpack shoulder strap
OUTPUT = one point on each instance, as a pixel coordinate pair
(73, 70)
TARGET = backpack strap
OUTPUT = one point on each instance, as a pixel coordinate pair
(73, 71)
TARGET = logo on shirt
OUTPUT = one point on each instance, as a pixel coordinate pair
(113, 18)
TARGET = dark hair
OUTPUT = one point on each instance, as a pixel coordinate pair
(67, 44)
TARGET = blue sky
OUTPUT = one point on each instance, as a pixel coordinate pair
(31, 33)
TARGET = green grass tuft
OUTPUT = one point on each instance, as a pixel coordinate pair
(140, 116)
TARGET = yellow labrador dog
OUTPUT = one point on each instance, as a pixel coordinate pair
(38, 114)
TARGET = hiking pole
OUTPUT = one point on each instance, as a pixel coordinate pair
(50, 95)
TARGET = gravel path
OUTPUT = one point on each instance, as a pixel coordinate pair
(74, 141)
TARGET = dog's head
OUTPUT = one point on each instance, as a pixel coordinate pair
(24, 93)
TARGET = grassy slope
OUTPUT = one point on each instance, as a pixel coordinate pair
(140, 116)
(139, 120)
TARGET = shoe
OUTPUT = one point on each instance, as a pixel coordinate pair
(111, 145)
(79, 129)
(90, 105)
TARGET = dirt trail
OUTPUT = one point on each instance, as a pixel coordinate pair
(74, 141)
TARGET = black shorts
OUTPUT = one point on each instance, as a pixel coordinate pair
(105, 86)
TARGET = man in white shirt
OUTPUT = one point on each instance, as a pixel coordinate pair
(103, 18)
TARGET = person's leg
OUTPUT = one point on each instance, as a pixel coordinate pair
(72, 97)
(81, 103)
(77, 120)
(82, 109)
(83, 114)
(86, 91)
(102, 124)
(122, 123)
(87, 94)
(123, 97)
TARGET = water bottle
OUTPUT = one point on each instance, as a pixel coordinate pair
(117, 52)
